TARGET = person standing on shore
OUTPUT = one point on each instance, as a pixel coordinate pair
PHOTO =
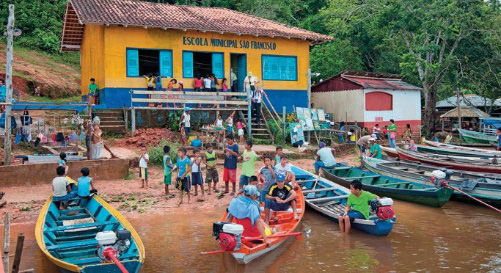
(498, 135)
(143, 167)
(230, 164)
(211, 175)
(392, 131)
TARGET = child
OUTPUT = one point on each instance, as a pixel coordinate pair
(158, 82)
(61, 189)
(85, 186)
(92, 91)
(63, 162)
(150, 80)
(351, 136)
(207, 83)
(170, 86)
(143, 167)
(249, 158)
(211, 175)
(197, 84)
(229, 120)
(448, 138)
(196, 172)
(224, 86)
(219, 125)
(357, 206)
(252, 181)
(240, 130)
(182, 136)
(168, 168)
(230, 164)
(498, 137)
(183, 176)
(279, 152)
(266, 176)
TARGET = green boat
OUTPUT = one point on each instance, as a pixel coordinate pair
(444, 151)
(414, 192)
(476, 137)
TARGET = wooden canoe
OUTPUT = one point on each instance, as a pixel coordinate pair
(72, 246)
(451, 162)
(462, 151)
(476, 137)
(391, 187)
(392, 152)
(251, 250)
(330, 199)
(486, 187)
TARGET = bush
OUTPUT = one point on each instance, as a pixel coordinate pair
(156, 153)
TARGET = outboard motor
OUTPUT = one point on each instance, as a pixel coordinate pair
(111, 243)
(438, 178)
(383, 208)
(228, 234)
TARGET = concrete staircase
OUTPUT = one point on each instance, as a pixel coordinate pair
(112, 121)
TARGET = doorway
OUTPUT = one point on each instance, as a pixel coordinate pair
(239, 67)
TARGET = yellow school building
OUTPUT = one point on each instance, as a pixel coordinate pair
(120, 41)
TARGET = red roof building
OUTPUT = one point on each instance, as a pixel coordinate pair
(370, 98)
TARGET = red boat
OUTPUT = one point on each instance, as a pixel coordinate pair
(451, 162)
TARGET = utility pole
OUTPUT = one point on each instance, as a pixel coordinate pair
(8, 83)
(458, 102)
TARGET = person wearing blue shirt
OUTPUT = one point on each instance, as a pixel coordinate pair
(3, 91)
(183, 176)
(325, 157)
(85, 186)
(498, 134)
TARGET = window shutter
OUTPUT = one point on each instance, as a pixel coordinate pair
(166, 63)
(218, 65)
(187, 64)
(132, 63)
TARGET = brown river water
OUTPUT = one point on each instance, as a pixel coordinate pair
(456, 238)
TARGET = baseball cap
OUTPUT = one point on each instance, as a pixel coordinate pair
(321, 144)
(280, 177)
(187, 109)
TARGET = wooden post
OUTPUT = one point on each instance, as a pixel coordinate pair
(19, 252)
(284, 118)
(133, 119)
(309, 87)
(459, 109)
(6, 242)
(8, 82)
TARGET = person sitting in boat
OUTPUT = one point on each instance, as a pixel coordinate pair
(285, 168)
(245, 211)
(85, 186)
(375, 148)
(412, 146)
(62, 191)
(357, 206)
(325, 157)
(448, 138)
(280, 197)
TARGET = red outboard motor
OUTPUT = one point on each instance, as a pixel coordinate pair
(383, 208)
(228, 234)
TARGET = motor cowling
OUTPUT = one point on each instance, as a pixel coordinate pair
(228, 234)
(113, 243)
(383, 208)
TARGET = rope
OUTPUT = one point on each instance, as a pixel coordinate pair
(476, 199)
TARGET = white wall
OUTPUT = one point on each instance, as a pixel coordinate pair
(341, 103)
(406, 106)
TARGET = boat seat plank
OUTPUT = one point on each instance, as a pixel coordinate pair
(94, 260)
(391, 184)
(319, 190)
(73, 217)
(360, 177)
(328, 198)
(306, 181)
(64, 228)
(340, 168)
(75, 237)
(72, 245)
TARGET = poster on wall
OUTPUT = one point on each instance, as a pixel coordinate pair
(306, 121)
(321, 114)
(297, 134)
(300, 115)
(314, 114)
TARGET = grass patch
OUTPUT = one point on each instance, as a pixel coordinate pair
(156, 153)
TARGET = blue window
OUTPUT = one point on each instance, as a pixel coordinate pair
(203, 63)
(149, 61)
(279, 68)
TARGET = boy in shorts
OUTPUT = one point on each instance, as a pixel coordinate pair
(278, 155)
(230, 164)
(143, 167)
(183, 175)
(249, 158)
(61, 189)
(357, 206)
(266, 176)
(211, 175)
(168, 168)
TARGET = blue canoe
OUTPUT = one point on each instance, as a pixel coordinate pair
(67, 237)
(330, 199)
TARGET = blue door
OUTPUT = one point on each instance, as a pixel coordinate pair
(241, 71)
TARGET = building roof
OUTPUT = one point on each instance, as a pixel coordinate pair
(356, 80)
(466, 112)
(158, 15)
(467, 100)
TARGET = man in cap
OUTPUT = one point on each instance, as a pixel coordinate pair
(375, 148)
(280, 197)
(325, 157)
(185, 119)
(363, 142)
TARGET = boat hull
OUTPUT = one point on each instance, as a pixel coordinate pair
(376, 227)
(476, 137)
(242, 258)
(492, 197)
(132, 267)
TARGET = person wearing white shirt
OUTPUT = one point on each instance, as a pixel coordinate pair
(285, 168)
(207, 83)
(250, 83)
(325, 158)
(143, 167)
(256, 100)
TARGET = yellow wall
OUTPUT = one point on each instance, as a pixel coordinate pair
(117, 39)
(92, 57)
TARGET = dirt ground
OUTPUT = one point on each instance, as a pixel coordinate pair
(128, 197)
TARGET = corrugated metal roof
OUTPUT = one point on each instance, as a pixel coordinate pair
(468, 100)
(381, 83)
(148, 14)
